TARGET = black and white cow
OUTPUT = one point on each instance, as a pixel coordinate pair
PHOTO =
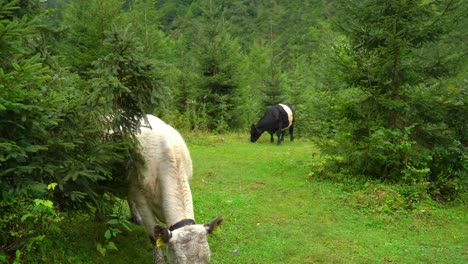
(277, 118)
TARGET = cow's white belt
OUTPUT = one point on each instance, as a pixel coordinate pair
(290, 114)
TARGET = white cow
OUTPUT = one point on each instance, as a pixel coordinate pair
(161, 190)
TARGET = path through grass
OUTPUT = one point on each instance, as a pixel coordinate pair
(276, 214)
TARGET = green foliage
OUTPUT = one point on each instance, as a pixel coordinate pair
(217, 55)
(40, 140)
(442, 130)
(255, 70)
(10, 30)
(125, 83)
(86, 21)
(114, 229)
(28, 223)
(389, 126)
(50, 133)
(378, 199)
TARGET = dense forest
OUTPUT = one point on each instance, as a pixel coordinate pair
(380, 86)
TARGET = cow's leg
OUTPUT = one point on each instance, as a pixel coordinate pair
(282, 135)
(158, 257)
(135, 216)
(291, 132)
(134, 197)
(149, 223)
(271, 138)
(278, 133)
(141, 209)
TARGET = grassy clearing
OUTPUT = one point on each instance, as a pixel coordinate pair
(275, 213)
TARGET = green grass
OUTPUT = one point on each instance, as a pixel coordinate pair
(275, 213)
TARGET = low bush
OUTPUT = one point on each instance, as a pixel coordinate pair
(28, 222)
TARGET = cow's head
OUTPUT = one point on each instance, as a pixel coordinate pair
(187, 244)
(255, 133)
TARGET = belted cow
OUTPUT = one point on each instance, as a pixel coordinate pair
(161, 190)
(277, 118)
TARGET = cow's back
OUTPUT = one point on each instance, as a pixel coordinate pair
(160, 143)
(272, 117)
(163, 180)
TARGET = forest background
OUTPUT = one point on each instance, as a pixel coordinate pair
(379, 86)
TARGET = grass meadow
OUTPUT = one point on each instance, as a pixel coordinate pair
(275, 212)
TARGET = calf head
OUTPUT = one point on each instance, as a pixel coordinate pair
(187, 244)
(255, 133)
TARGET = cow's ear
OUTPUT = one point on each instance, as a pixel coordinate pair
(214, 224)
(253, 126)
(161, 235)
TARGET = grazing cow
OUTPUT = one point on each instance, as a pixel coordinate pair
(277, 118)
(161, 190)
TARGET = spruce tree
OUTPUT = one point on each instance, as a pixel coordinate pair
(49, 136)
(388, 65)
(86, 21)
(273, 92)
(217, 54)
(126, 83)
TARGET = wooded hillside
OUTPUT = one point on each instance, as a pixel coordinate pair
(380, 86)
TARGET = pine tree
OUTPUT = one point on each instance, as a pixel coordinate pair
(125, 82)
(255, 69)
(273, 92)
(86, 21)
(48, 135)
(387, 64)
(217, 54)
